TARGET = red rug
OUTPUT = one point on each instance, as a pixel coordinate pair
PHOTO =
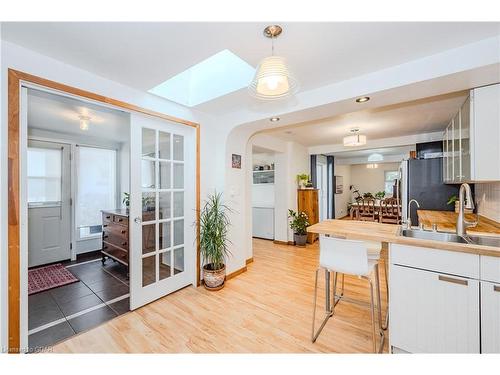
(48, 277)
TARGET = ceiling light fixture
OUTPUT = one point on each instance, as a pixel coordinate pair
(375, 157)
(363, 99)
(274, 119)
(84, 122)
(273, 80)
(355, 139)
(371, 166)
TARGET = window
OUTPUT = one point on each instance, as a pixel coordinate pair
(390, 177)
(44, 175)
(96, 190)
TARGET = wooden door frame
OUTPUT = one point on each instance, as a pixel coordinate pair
(15, 78)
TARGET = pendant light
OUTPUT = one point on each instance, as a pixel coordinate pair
(355, 139)
(273, 80)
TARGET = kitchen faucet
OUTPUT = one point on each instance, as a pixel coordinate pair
(464, 195)
(408, 219)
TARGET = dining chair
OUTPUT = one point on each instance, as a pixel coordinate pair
(390, 211)
(367, 210)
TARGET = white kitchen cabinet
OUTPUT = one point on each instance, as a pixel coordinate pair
(471, 141)
(490, 317)
(432, 312)
(263, 222)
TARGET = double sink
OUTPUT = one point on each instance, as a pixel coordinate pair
(450, 237)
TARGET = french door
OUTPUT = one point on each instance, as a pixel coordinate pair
(162, 208)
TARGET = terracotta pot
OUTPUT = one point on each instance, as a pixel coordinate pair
(300, 239)
(214, 279)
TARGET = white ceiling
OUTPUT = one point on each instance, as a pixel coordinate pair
(142, 55)
(416, 117)
(61, 114)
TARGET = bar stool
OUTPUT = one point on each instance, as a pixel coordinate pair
(350, 257)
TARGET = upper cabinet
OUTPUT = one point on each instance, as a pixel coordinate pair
(471, 142)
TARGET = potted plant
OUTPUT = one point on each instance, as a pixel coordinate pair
(302, 180)
(454, 200)
(367, 196)
(126, 200)
(214, 242)
(299, 223)
(380, 195)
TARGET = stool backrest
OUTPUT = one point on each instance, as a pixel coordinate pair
(344, 256)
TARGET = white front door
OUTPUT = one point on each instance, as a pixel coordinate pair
(49, 209)
(162, 208)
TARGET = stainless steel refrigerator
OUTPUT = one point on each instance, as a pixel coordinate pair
(422, 179)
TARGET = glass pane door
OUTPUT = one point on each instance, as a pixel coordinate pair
(162, 208)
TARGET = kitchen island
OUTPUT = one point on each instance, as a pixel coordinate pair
(444, 296)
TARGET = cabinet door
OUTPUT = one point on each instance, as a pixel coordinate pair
(456, 149)
(465, 140)
(432, 312)
(449, 140)
(490, 317)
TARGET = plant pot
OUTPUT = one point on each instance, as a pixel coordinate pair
(300, 239)
(213, 279)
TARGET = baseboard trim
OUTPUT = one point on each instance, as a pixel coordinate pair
(236, 273)
(249, 260)
(277, 242)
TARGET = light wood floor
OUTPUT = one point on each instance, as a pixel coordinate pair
(267, 309)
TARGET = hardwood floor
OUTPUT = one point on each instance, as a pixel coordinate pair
(267, 309)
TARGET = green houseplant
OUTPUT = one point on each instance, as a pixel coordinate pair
(214, 242)
(302, 180)
(299, 223)
(380, 195)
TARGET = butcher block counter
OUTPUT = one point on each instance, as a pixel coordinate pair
(446, 222)
(390, 233)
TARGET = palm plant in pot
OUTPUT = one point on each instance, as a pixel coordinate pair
(299, 223)
(214, 242)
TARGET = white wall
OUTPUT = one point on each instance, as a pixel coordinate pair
(370, 180)
(341, 200)
(488, 200)
(22, 59)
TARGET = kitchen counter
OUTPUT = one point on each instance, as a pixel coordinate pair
(372, 231)
(446, 222)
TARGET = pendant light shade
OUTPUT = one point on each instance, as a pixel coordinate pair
(273, 79)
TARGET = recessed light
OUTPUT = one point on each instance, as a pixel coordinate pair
(274, 119)
(362, 99)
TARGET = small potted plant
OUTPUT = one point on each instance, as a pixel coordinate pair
(302, 180)
(214, 242)
(299, 223)
(126, 200)
(380, 195)
(367, 196)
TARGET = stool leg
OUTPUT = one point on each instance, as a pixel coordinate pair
(372, 313)
(386, 325)
(329, 309)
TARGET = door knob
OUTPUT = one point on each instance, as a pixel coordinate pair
(138, 220)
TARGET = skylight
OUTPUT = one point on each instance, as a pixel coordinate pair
(216, 76)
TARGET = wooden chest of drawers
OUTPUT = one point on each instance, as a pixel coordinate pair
(115, 236)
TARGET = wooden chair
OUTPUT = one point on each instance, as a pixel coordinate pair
(367, 210)
(390, 211)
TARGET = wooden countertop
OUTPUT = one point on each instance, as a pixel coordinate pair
(372, 231)
(446, 222)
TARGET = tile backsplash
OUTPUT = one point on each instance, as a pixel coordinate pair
(488, 200)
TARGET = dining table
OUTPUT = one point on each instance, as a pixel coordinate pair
(377, 203)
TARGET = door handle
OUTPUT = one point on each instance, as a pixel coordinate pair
(453, 280)
(137, 220)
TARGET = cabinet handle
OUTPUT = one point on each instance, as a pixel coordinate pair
(107, 217)
(124, 231)
(496, 288)
(124, 243)
(453, 280)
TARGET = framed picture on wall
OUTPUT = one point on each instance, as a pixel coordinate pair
(236, 161)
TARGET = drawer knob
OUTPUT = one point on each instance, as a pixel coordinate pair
(124, 231)
(108, 217)
(124, 243)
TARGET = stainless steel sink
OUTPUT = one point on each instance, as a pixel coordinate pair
(483, 240)
(433, 236)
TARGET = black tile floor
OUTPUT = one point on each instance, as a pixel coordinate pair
(59, 313)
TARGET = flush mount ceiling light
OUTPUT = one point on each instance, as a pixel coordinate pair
(274, 119)
(355, 139)
(375, 157)
(362, 99)
(273, 80)
(371, 166)
(84, 122)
